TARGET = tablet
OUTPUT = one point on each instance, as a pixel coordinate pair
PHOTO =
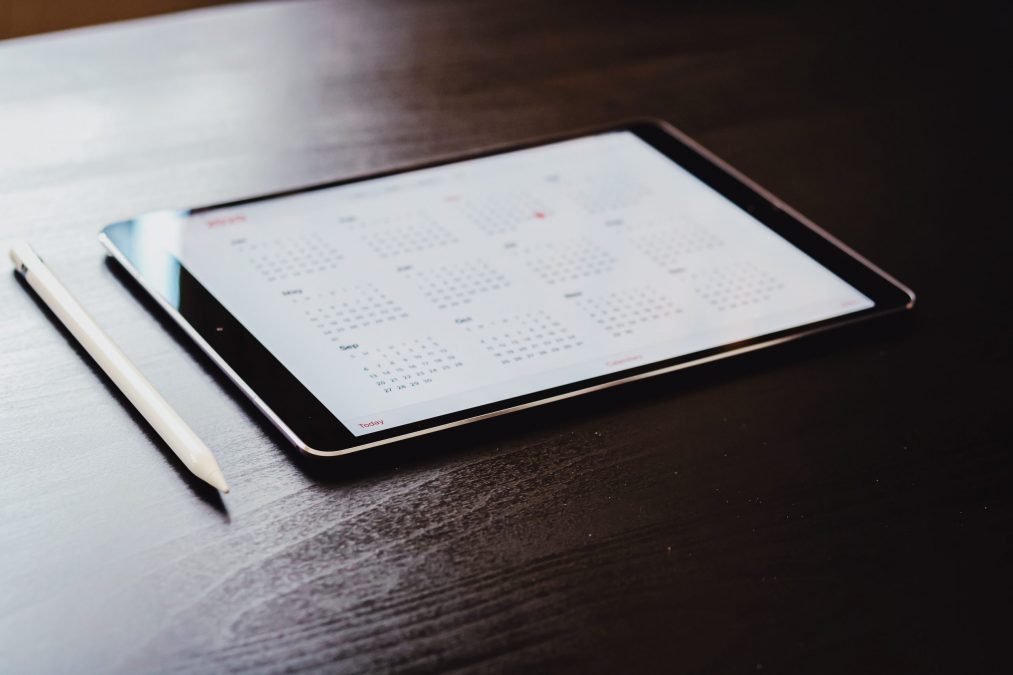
(369, 310)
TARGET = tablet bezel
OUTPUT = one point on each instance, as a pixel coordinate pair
(308, 424)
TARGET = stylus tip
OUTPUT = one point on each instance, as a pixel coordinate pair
(218, 480)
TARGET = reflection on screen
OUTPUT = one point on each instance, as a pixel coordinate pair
(408, 297)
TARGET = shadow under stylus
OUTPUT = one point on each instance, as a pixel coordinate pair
(206, 493)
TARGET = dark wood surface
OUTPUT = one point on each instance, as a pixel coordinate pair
(29, 17)
(836, 506)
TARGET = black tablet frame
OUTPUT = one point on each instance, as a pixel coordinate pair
(304, 420)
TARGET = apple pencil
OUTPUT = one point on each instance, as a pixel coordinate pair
(159, 414)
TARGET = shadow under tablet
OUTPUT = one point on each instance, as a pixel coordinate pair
(533, 421)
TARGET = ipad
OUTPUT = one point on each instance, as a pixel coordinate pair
(379, 308)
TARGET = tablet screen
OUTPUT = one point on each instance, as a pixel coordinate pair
(403, 298)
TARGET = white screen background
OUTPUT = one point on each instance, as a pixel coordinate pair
(408, 297)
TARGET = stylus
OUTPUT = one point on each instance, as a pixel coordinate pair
(170, 426)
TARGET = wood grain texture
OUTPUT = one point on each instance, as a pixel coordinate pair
(837, 506)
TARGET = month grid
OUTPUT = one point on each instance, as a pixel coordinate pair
(449, 286)
(501, 213)
(620, 312)
(733, 286)
(524, 337)
(565, 261)
(289, 257)
(337, 311)
(405, 365)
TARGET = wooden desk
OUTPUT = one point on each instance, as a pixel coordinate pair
(839, 506)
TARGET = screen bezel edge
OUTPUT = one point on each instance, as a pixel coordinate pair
(313, 428)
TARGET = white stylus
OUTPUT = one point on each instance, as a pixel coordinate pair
(159, 414)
